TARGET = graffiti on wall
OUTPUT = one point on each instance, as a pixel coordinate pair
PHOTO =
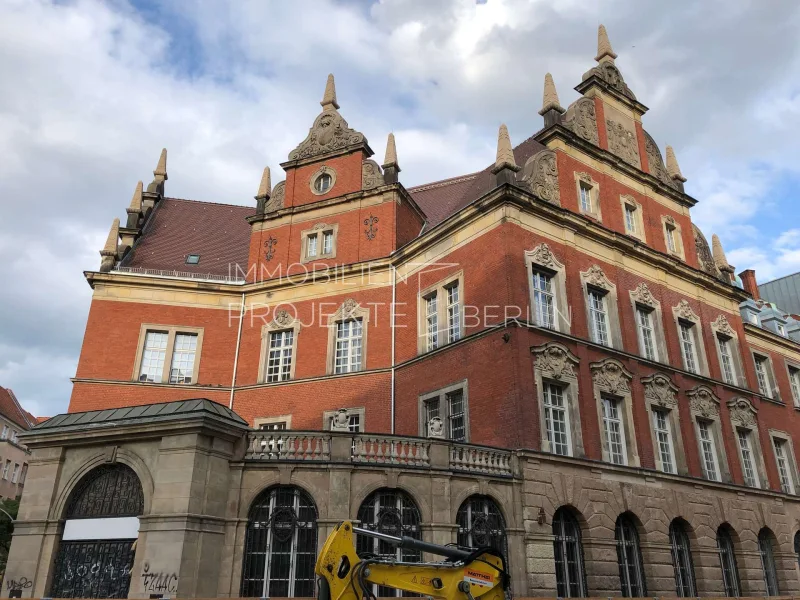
(158, 581)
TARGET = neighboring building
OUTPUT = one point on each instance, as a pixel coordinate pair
(567, 375)
(14, 455)
(784, 291)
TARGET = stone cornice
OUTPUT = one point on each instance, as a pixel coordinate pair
(772, 338)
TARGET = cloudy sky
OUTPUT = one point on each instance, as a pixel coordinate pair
(91, 92)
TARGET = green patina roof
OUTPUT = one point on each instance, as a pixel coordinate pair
(148, 413)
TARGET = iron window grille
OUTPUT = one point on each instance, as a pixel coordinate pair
(568, 550)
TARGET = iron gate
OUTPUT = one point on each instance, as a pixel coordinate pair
(93, 569)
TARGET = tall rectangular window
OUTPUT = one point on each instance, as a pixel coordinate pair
(453, 313)
(5, 432)
(630, 218)
(279, 357)
(664, 440)
(456, 416)
(431, 322)
(746, 455)
(6, 469)
(450, 405)
(761, 375)
(586, 197)
(794, 381)
(15, 473)
(647, 338)
(555, 415)
(153, 356)
(183, 355)
(726, 359)
(348, 346)
(614, 432)
(708, 451)
(598, 318)
(784, 472)
(672, 244)
(687, 344)
(311, 245)
(327, 242)
(543, 299)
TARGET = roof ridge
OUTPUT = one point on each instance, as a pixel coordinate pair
(444, 182)
(779, 278)
(209, 202)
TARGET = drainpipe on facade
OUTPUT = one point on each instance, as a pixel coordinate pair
(236, 355)
(394, 290)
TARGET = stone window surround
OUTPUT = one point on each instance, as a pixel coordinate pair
(361, 411)
(704, 406)
(661, 394)
(594, 194)
(259, 421)
(684, 312)
(595, 278)
(319, 229)
(349, 309)
(612, 380)
(640, 233)
(554, 363)
(790, 456)
(668, 221)
(440, 287)
(282, 321)
(773, 383)
(171, 331)
(744, 415)
(721, 327)
(790, 366)
(313, 179)
(541, 257)
(642, 296)
(441, 393)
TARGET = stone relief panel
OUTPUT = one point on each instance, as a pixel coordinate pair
(555, 361)
(596, 278)
(743, 413)
(703, 401)
(611, 377)
(329, 133)
(684, 311)
(722, 325)
(543, 256)
(610, 74)
(277, 197)
(371, 175)
(622, 142)
(643, 295)
(704, 256)
(659, 390)
(540, 175)
(656, 162)
(581, 118)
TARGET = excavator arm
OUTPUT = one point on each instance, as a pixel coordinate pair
(465, 575)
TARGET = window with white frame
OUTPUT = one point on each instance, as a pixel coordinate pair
(784, 468)
(543, 299)
(547, 288)
(631, 225)
(726, 359)
(556, 378)
(614, 430)
(749, 471)
(440, 310)
(14, 436)
(708, 450)
(15, 473)
(274, 426)
(168, 355)
(794, 383)
(348, 346)
(585, 191)
(663, 435)
(5, 432)
(6, 469)
(453, 312)
(450, 405)
(598, 317)
(688, 349)
(761, 375)
(431, 322)
(672, 240)
(781, 329)
(318, 242)
(556, 419)
(646, 331)
(355, 419)
(280, 355)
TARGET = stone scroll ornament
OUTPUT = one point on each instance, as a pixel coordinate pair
(703, 401)
(622, 142)
(270, 244)
(555, 361)
(329, 133)
(704, 256)
(276, 199)
(581, 119)
(540, 175)
(659, 390)
(742, 413)
(611, 377)
(611, 76)
(371, 175)
(656, 163)
(372, 230)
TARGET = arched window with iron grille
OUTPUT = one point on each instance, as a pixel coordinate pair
(480, 523)
(394, 512)
(766, 550)
(280, 546)
(682, 559)
(95, 556)
(727, 561)
(629, 558)
(568, 549)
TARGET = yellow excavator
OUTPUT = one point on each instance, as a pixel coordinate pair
(465, 574)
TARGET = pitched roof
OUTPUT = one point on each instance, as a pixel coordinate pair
(219, 233)
(10, 408)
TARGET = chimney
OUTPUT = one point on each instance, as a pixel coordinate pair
(748, 277)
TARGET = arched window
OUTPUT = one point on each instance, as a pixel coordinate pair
(480, 523)
(570, 575)
(393, 512)
(727, 561)
(629, 558)
(797, 547)
(682, 559)
(280, 546)
(765, 545)
(95, 556)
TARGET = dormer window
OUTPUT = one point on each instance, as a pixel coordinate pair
(193, 259)
(781, 329)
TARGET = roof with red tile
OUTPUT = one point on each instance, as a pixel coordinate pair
(11, 410)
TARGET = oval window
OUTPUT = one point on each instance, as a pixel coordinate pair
(323, 183)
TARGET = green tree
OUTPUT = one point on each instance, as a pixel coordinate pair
(6, 529)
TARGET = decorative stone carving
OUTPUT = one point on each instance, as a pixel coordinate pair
(540, 175)
(555, 361)
(670, 220)
(656, 162)
(319, 226)
(585, 177)
(596, 278)
(349, 307)
(659, 390)
(275, 201)
(608, 73)
(542, 255)
(581, 119)
(436, 428)
(340, 420)
(704, 256)
(643, 295)
(743, 413)
(703, 401)
(371, 175)
(622, 142)
(722, 325)
(329, 133)
(371, 231)
(611, 377)
(283, 318)
(270, 244)
(684, 311)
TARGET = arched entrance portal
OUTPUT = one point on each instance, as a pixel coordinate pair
(95, 556)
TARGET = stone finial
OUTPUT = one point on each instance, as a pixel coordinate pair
(604, 51)
(505, 155)
(108, 255)
(673, 170)
(265, 187)
(161, 167)
(550, 99)
(390, 159)
(329, 98)
(719, 255)
(136, 201)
